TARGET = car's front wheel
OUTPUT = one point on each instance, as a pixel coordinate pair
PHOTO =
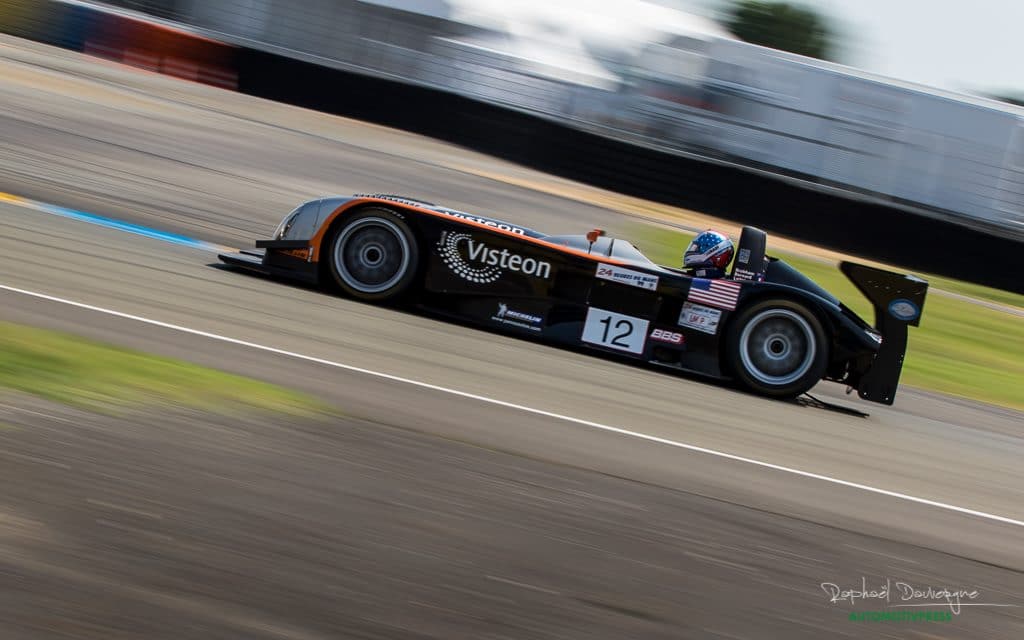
(374, 256)
(777, 348)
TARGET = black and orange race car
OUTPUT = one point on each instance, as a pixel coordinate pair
(764, 325)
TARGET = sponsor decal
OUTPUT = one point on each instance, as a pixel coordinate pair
(699, 317)
(717, 293)
(517, 318)
(627, 276)
(744, 256)
(743, 274)
(664, 335)
(903, 309)
(477, 262)
(710, 272)
(302, 254)
(497, 224)
(614, 330)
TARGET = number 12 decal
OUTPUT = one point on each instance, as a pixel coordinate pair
(614, 330)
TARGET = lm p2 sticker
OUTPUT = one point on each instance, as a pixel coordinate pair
(700, 317)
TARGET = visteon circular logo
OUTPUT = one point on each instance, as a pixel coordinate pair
(448, 247)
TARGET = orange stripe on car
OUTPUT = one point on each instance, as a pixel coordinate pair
(318, 237)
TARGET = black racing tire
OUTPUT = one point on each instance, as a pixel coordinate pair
(374, 256)
(776, 348)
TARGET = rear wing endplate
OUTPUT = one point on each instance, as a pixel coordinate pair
(898, 301)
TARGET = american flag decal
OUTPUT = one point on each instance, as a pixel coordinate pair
(717, 293)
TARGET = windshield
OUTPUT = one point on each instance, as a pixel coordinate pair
(604, 246)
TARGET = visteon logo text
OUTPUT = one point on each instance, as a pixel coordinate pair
(477, 262)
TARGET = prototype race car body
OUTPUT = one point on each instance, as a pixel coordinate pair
(765, 324)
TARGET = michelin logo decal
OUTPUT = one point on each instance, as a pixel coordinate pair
(517, 318)
(475, 261)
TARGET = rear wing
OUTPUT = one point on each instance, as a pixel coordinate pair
(898, 301)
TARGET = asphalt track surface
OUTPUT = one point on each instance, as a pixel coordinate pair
(420, 513)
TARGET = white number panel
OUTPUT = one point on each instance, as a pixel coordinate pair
(614, 330)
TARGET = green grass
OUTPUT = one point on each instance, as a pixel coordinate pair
(976, 291)
(80, 372)
(961, 348)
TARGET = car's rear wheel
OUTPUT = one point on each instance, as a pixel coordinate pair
(374, 256)
(777, 348)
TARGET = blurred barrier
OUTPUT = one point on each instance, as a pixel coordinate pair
(819, 125)
(163, 49)
(867, 227)
(54, 23)
(126, 39)
(701, 94)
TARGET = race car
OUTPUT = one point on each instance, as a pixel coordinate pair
(762, 324)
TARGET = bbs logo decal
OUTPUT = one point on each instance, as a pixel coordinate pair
(663, 335)
(475, 261)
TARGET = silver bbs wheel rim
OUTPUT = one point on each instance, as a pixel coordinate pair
(371, 255)
(777, 347)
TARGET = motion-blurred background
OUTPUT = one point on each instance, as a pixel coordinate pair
(192, 453)
(677, 102)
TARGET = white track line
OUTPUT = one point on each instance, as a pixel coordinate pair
(519, 407)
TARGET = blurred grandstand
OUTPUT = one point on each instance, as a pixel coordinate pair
(653, 76)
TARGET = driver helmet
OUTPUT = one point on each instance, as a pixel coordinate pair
(710, 250)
